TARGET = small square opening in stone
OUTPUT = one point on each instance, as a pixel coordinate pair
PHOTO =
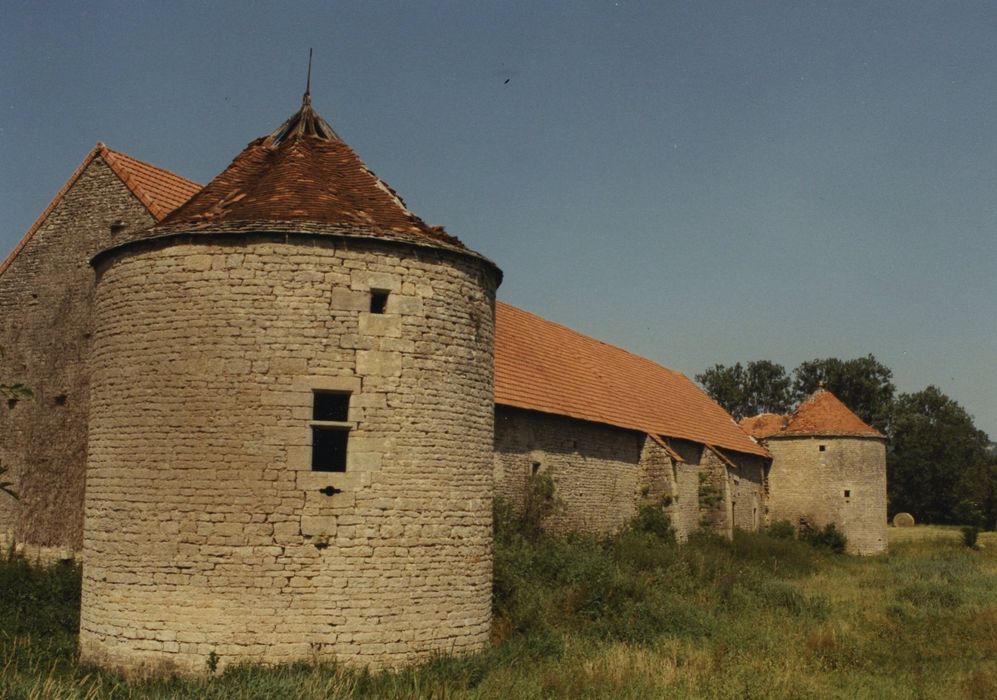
(848, 493)
(378, 300)
(331, 406)
(822, 448)
(329, 449)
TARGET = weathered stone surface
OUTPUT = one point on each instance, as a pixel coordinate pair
(45, 326)
(203, 521)
(843, 483)
(603, 474)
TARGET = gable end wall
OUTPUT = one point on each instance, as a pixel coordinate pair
(45, 324)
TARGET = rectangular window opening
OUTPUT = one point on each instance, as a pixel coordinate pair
(330, 431)
(329, 449)
(331, 406)
(535, 468)
(848, 493)
(822, 448)
(378, 300)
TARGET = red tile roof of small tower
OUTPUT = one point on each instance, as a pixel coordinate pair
(303, 177)
(543, 366)
(821, 413)
(762, 425)
(159, 190)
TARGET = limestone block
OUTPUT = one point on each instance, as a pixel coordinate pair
(365, 280)
(377, 363)
(343, 299)
(388, 325)
(404, 305)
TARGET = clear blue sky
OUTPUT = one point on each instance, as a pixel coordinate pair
(699, 182)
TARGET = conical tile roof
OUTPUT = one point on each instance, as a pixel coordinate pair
(821, 413)
(303, 177)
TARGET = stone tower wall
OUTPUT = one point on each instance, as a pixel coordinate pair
(45, 322)
(806, 482)
(206, 529)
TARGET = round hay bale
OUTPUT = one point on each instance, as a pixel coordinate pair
(903, 520)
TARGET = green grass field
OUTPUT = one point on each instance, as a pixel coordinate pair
(630, 617)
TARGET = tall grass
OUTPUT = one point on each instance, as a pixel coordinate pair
(631, 616)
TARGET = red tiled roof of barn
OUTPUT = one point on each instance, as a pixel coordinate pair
(159, 191)
(303, 177)
(543, 366)
(821, 413)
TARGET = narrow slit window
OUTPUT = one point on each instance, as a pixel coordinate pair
(378, 301)
(330, 431)
(535, 468)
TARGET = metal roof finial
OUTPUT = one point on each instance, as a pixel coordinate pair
(308, 83)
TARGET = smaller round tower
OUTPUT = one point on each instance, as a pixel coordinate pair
(828, 466)
(291, 424)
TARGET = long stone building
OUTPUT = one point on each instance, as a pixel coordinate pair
(271, 414)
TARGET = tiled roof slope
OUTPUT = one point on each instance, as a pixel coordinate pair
(762, 425)
(542, 366)
(159, 191)
(821, 413)
(303, 179)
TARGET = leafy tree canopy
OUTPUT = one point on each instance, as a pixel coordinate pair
(863, 384)
(761, 387)
(937, 466)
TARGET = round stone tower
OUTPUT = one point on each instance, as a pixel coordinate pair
(291, 424)
(828, 466)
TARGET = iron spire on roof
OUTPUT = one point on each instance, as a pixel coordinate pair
(305, 121)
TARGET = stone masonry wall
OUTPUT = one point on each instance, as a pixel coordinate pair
(45, 325)
(595, 468)
(206, 530)
(806, 482)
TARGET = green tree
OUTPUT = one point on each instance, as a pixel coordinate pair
(937, 463)
(863, 384)
(761, 387)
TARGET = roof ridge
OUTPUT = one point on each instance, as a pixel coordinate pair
(29, 234)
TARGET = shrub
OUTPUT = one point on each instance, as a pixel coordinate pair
(653, 521)
(829, 538)
(540, 503)
(781, 530)
(969, 535)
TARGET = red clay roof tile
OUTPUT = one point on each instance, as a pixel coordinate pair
(159, 191)
(543, 366)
